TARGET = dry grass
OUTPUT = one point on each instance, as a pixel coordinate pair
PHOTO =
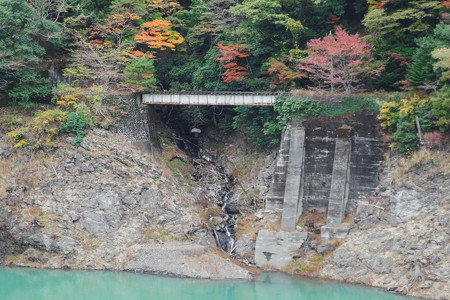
(335, 242)
(274, 226)
(206, 213)
(309, 265)
(155, 233)
(223, 254)
(88, 240)
(420, 161)
(7, 166)
(28, 169)
(250, 225)
(246, 226)
(348, 219)
(313, 219)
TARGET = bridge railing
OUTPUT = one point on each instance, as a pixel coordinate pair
(209, 98)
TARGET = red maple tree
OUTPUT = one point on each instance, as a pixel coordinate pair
(229, 60)
(336, 62)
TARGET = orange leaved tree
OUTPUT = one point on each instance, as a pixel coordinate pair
(157, 35)
(229, 60)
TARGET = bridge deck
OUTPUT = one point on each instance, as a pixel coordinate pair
(209, 98)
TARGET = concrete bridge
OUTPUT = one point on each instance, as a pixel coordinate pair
(209, 98)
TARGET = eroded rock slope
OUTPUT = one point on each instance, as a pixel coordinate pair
(99, 206)
(401, 240)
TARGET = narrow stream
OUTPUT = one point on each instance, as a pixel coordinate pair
(23, 284)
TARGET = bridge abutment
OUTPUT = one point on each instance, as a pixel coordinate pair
(327, 166)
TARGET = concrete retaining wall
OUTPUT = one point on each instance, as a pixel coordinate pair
(365, 150)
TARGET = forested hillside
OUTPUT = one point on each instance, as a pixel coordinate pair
(72, 53)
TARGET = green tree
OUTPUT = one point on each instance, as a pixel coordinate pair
(393, 27)
(441, 107)
(442, 65)
(24, 37)
(421, 70)
(251, 120)
(207, 76)
(264, 26)
(139, 73)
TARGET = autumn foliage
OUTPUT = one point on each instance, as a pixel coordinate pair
(114, 28)
(229, 60)
(282, 76)
(158, 35)
(336, 62)
(446, 3)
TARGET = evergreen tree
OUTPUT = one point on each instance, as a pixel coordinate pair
(421, 69)
(24, 37)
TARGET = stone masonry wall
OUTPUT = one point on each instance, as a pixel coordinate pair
(133, 122)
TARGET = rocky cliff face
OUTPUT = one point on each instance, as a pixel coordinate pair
(400, 240)
(99, 206)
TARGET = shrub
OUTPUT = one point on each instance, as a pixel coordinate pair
(42, 128)
(76, 124)
(352, 105)
(399, 117)
(296, 109)
(66, 95)
(251, 120)
(45, 126)
(27, 105)
(441, 108)
(406, 136)
(10, 122)
(17, 137)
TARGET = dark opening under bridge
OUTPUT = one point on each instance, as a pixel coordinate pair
(209, 98)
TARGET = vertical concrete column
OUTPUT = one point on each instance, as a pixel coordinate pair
(340, 177)
(292, 206)
(275, 198)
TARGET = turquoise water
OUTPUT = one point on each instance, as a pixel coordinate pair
(23, 284)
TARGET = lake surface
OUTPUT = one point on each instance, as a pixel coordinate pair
(23, 284)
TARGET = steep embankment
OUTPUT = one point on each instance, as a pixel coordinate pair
(401, 240)
(104, 205)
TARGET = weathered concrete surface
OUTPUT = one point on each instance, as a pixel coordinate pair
(275, 198)
(292, 206)
(183, 260)
(274, 249)
(339, 186)
(339, 182)
(365, 159)
(320, 144)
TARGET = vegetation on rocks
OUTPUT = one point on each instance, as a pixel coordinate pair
(63, 63)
